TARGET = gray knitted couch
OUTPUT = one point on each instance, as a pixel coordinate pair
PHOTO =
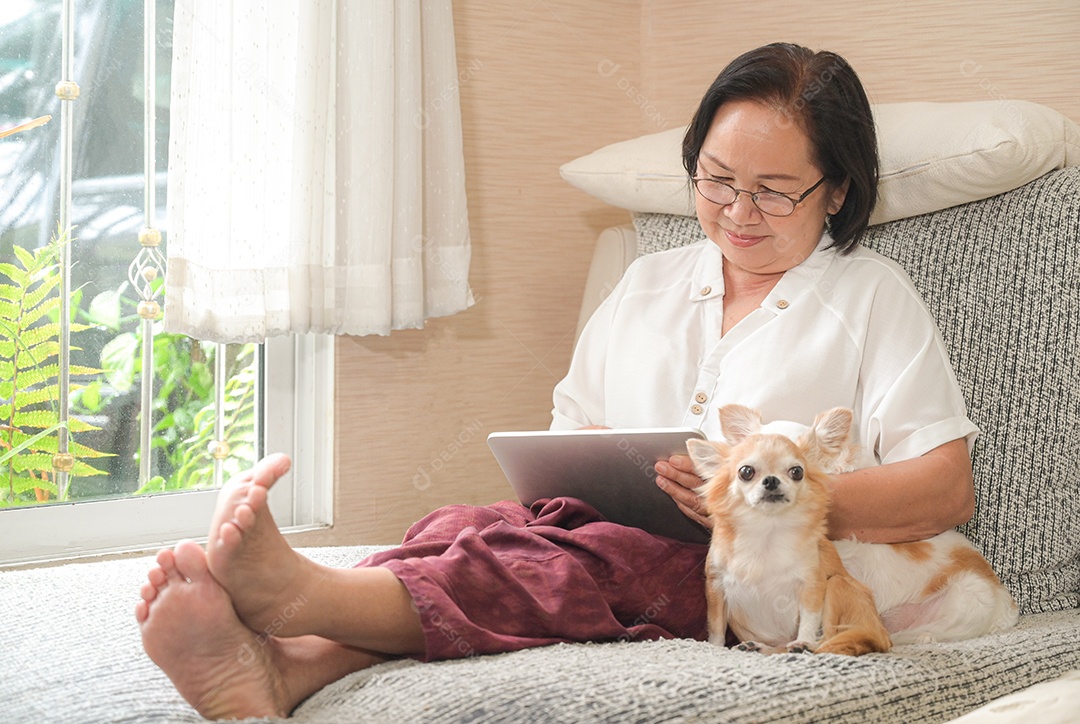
(1002, 277)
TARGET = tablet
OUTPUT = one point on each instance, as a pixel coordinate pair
(611, 470)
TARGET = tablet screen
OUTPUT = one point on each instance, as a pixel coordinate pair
(611, 470)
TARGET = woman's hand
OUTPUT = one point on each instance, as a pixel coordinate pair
(676, 477)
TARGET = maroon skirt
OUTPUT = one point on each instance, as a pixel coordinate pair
(506, 577)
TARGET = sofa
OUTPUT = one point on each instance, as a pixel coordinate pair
(1001, 274)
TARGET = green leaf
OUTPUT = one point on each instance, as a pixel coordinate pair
(201, 380)
(32, 339)
(90, 397)
(38, 462)
(19, 447)
(48, 444)
(45, 309)
(85, 470)
(155, 484)
(82, 451)
(41, 351)
(15, 274)
(25, 257)
(44, 288)
(9, 330)
(25, 484)
(31, 376)
(28, 398)
(105, 310)
(118, 361)
(81, 371)
(39, 419)
(8, 310)
(78, 425)
(30, 309)
(9, 293)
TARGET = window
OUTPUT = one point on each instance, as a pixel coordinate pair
(135, 479)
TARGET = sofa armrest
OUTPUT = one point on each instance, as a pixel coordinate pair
(616, 248)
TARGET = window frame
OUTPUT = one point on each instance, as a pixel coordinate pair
(297, 418)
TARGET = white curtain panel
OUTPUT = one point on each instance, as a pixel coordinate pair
(316, 175)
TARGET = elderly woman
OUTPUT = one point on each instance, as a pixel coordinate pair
(776, 308)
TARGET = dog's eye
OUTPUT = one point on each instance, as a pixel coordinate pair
(746, 472)
(796, 473)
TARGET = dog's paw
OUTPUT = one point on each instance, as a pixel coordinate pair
(748, 646)
(800, 647)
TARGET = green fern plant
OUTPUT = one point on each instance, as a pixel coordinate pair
(192, 460)
(30, 308)
(238, 409)
(183, 404)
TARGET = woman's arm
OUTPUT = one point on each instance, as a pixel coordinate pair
(902, 501)
(906, 500)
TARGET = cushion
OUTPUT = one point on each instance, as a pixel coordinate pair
(1002, 279)
(1048, 701)
(933, 156)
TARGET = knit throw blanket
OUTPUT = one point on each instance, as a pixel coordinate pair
(71, 652)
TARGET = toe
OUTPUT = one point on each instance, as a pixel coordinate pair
(142, 611)
(228, 537)
(148, 591)
(191, 561)
(270, 468)
(167, 561)
(156, 577)
(257, 497)
(244, 516)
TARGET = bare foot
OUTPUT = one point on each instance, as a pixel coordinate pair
(266, 579)
(189, 629)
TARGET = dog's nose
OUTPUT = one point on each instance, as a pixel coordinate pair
(771, 483)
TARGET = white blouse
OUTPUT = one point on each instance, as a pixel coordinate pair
(836, 330)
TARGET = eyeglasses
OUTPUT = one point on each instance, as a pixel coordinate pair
(771, 203)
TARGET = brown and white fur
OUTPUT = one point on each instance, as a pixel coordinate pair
(781, 585)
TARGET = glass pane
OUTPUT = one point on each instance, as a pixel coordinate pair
(107, 214)
(184, 414)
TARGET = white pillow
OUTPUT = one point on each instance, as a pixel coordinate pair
(932, 156)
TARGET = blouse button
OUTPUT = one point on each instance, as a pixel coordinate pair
(706, 291)
(782, 304)
(696, 409)
(701, 397)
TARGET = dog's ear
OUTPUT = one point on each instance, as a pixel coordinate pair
(830, 431)
(708, 457)
(737, 422)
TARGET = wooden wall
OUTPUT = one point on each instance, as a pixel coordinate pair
(544, 82)
(916, 50)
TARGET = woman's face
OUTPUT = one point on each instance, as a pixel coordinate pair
(757, 148)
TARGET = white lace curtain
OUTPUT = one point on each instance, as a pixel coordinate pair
(316, 176)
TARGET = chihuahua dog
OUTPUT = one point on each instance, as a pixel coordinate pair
(781, 585)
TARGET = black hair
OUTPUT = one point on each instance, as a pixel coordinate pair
(820, 93)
